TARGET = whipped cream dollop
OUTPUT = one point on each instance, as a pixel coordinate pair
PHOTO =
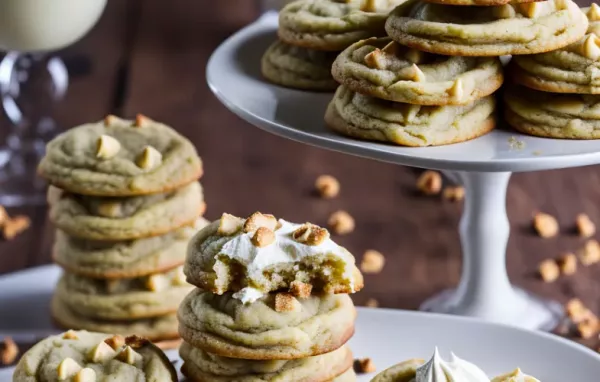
(284, 249)
(515, 376)
(455, 370)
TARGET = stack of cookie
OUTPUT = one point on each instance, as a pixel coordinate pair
(311, 35)
(562, 88)
(272, 303)
(125, 201)
(431, 81)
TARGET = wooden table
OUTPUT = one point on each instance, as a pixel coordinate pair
(149, 56)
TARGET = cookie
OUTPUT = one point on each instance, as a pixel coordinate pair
(553, 115)
(573, 69)
(384, 69)
(155, 329)
(489, 31)
(334, 24)
(200, 366)
(402, 372)
(515, 376)
(116, 219)
(124, 299)
(223, 325)
(87, 357)
(261, 254)
(369, 118)
(299, 68)
(124, 259)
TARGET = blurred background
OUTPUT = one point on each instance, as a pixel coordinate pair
(149, 56)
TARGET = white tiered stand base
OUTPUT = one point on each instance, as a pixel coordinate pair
(483, 166)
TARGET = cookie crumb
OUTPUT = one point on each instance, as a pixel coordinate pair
(8, 351)
(568, 264)
(515, 143)
(300, 289)
(590, 254)
(14, 226)
(285, 302)
(454, 193)
(545, 225)
(585, 227)
(549, 270)
(372, 303)
(327, 186)
(364, 366)
(430, 182)
(372, 261)
(341, 223)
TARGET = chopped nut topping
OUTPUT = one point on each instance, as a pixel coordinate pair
(149, 159)
(590, 254)
(263, 237)
(300, 289)
(141, 121)
(101, 353)
(70, 335)
(179, 277)
(257, 220)
(549, 270)
(372, 303)
(375, 59)
(341, 223)
(157, 283)
(457, 90)
(8, 351)
(229, 225)
(545, 225)
(568, 264)
(85, 375)
(310, 234)
(110, 209)
(285, 302)
(107, 147)
(585, 227)
(372, 261)
(364, 366)
(116, 342)
(454, 193)
(14, 226)
(327, 186)
(430, 182)
(67, 368)
(129, 356)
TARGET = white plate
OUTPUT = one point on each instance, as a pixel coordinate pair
(387, 336)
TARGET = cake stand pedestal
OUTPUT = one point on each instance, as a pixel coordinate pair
(483, 166)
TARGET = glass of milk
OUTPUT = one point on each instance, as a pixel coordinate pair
(32, 80)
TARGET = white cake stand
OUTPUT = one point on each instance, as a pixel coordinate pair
(483, 166)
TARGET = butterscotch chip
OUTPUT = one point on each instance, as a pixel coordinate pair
(454, 193)
(257, 220)
(590, 254)
(263, 237)
(116, 342)
(310, 234)
(545, 225)
(8, 351)
(585, 226)
(341, 223)
(372, 261)
(568, 264)
(229, 224)
(3, 216)
(285, 302)
(575, 310)
(549, 270)
(588, 328)
(327, 186)
(14, 226)
(364, 366)
(430, 182)
(372, 303)
(300, 289)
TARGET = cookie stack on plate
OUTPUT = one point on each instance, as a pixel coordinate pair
(125, 200)
(313, 32)
(431, 82)
(272, 303)
(560, 96)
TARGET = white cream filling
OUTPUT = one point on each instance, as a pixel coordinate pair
(438, 370)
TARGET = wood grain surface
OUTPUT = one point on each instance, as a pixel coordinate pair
(149, 56)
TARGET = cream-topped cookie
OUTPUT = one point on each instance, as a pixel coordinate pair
(260, 254)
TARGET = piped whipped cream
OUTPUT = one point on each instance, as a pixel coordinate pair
(515, 376)
(455, 370)
(284, 249)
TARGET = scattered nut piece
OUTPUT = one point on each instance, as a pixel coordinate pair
(364, 366)
(285, 302)
(545, 225)
(149, 159)
(310, 234)
(372, 261)
(372, 303)
(229, 225)
(300, 289)
(3, 216)
(549, 270)
(141, 121)
(568, 264)
(14, 226)
(67, 368)
(157, 283)
(8, 351)
(341, 223)
(257, 220)
(585, 227)
(263, 237)
(107, 147)
(327, 186)
(116, 342)
(85, 375)
(70, 335)
(590, 254)
(578, 312)
(129, 356)
(454, 193)
(101, 353)
(430, 182)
